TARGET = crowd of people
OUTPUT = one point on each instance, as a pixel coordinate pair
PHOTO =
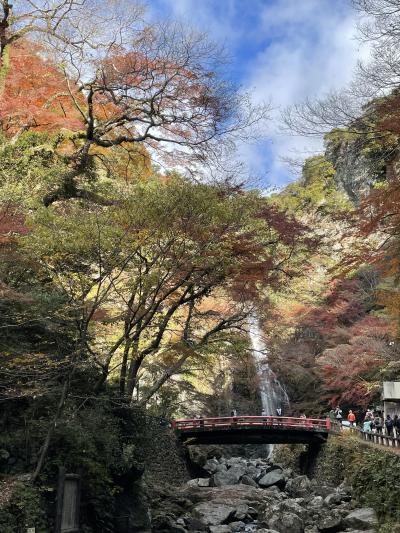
(373, 421)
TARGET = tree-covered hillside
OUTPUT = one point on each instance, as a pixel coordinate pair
(133, 251)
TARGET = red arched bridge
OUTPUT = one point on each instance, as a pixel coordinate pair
(252, 430)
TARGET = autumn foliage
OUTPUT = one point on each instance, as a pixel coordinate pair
(36, 95)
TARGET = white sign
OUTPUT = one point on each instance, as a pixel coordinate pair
(31, 530)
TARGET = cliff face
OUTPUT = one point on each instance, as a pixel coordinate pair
(362, 155)
(354, 173)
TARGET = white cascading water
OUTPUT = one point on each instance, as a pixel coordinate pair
(273, 395)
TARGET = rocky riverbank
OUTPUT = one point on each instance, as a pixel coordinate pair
(255, 495)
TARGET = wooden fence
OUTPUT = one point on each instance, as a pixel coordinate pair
(378, 438)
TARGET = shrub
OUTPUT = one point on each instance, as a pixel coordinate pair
(25, 508)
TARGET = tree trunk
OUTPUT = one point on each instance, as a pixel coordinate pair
(132, 376)
(50, 431)
(167, 374)
(124, 368)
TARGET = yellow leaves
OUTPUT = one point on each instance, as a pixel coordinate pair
(127, 162)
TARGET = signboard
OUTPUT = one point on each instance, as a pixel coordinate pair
(68, 501)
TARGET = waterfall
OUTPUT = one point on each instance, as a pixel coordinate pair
(273, 394)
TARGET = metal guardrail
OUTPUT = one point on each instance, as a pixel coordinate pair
(320, 424)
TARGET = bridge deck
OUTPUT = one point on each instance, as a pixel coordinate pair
(252, 430)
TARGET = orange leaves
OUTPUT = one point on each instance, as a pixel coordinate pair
(36, 95)
(358, 345)
(342, 341)
(348, 370)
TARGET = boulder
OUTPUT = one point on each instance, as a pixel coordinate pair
(286, 523)
(241, 512)
(330, 524)
(311, 529)
(317, 502)
(253, 472)
(333, 499)
(220, 529)
(364, 518)
(211, 465)
(165, 524)
(298, 486)
(232, 495)
(322, 488)
(291, 506)
(199, 482)
(275, 477)
(253, 513)
(274, 491)
(363, 531)
(236, 527)
(280, 509)
(234, 461)
(229, 477)
(193, 482)
(213, 514)
(194, 524)
(267, 531)
(247, 480)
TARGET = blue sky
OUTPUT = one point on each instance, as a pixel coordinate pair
(281, 50)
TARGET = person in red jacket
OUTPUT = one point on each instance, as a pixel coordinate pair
(351, 417)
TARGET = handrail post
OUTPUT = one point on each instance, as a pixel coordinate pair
(328, 424)
(173, 423)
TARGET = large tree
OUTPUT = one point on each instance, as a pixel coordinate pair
(138, 274)
(129, 82)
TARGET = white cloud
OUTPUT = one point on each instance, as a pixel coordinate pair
(299, 48)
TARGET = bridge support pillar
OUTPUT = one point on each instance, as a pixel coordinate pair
(308, 459)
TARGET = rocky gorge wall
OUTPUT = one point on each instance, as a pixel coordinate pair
(163, 463)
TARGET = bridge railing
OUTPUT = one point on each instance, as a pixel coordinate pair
(377, 438)
(323, 424)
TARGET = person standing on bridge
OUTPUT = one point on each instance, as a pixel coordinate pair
(396, 425)
(378, 423)
(338, 415)
(279, 411)
(234, 412)
(369, 415)
(389, 425)
(351, 417)
(367, 425)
